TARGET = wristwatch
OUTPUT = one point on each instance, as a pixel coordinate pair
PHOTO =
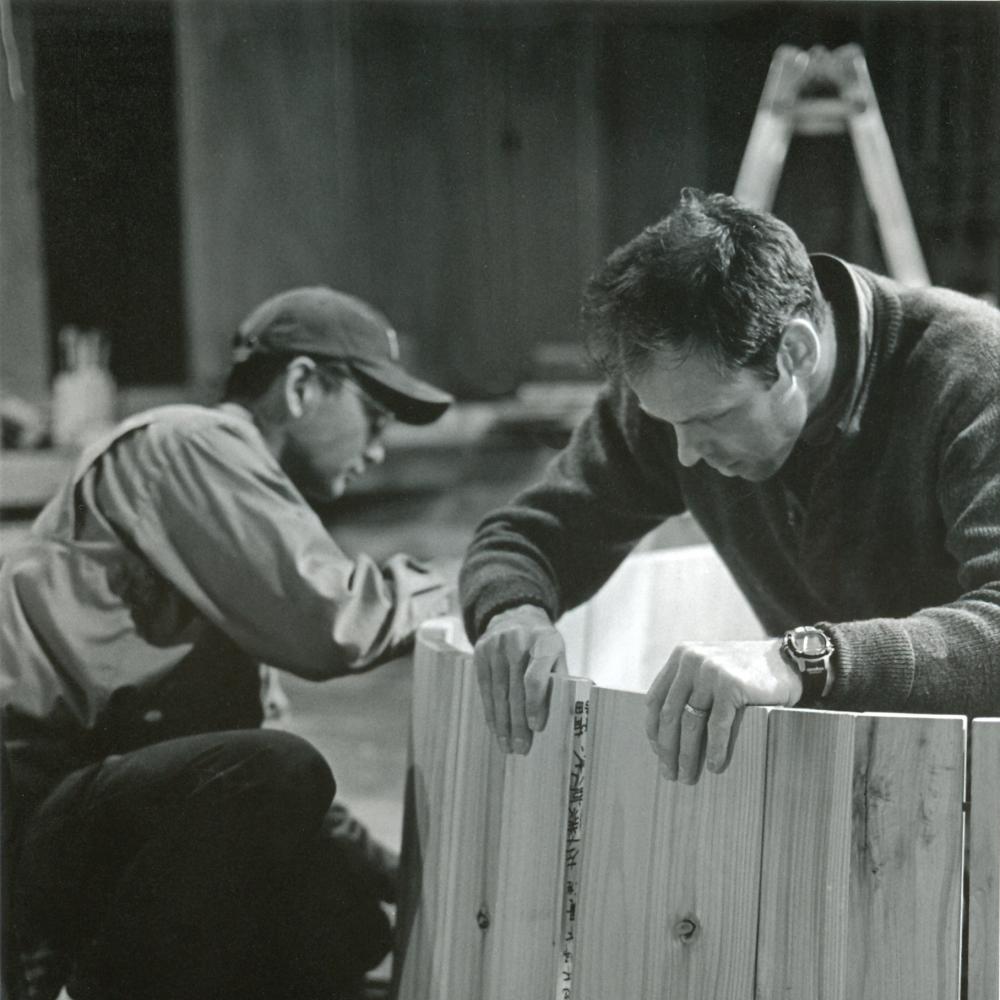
(810, 651)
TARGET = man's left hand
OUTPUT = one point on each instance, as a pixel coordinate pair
(696, 699)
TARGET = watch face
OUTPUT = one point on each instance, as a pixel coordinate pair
(810, 642)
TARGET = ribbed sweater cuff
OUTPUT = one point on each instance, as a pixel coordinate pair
(478, 612)
(874, 666)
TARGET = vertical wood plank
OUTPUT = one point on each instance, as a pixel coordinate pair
(24, 330)
(575, 629)
(657, 145)
(806, 855)
(984, 861)
(524, 957)
(621, 819)
(426, 905)
(907, 864)
(843, 879)
(474, 845)
(271, 165)
(862, 862)
(659, 853)
(709, 864)
(484, 838)
(546, 145)
(479, 182)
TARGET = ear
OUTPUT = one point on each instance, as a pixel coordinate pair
(800, 350)
(300, 386)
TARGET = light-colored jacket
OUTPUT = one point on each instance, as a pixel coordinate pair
(177, 558)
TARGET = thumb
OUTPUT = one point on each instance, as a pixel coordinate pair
(547, 658)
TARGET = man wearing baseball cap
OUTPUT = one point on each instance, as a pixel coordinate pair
(161, 844)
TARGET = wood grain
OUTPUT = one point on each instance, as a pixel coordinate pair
(806, 855)
(907, 865)
(26, 349)
(426, 907)
(484, 837)
(824, 864)
(272, 193)
(474, 846)
(984, 861)
(660, 853)
(523, 960)
(862, 858)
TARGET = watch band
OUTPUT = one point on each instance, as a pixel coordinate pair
(814, 685)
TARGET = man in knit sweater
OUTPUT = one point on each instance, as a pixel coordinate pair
(836, 436)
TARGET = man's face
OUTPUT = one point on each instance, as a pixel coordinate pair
(335, 440)
(734, 422)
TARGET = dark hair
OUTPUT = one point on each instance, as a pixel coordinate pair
(714, 276)
(251, 378)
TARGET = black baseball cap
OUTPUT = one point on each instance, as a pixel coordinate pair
(321, 322)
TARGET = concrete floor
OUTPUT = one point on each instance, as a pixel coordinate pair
(361, 726)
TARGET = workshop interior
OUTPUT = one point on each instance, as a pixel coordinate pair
(166, 165)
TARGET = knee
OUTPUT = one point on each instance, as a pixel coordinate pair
(287, 773)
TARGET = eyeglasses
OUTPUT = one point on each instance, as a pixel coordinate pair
(378, 416)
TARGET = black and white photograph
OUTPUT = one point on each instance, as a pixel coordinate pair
(500, 499)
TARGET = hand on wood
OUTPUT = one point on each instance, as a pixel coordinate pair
(694, 705)
(514, 659)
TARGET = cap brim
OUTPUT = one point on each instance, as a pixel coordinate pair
(412, 401)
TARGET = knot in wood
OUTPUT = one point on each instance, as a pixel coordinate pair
(483, 918)
(687, 929)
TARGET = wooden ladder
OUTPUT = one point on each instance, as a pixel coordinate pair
(820, 92)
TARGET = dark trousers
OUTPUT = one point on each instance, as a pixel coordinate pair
(196, 868)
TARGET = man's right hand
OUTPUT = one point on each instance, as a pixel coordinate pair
(514, 659)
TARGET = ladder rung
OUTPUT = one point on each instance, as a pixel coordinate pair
(823, 116)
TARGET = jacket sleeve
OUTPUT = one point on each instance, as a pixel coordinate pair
(558, 541)
(221, 521)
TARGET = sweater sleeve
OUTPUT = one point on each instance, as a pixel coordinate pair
(558, 541)
(945, 658)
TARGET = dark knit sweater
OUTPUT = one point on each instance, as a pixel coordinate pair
(894, 547)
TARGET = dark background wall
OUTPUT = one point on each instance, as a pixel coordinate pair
(463, 165)
(108, 179)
